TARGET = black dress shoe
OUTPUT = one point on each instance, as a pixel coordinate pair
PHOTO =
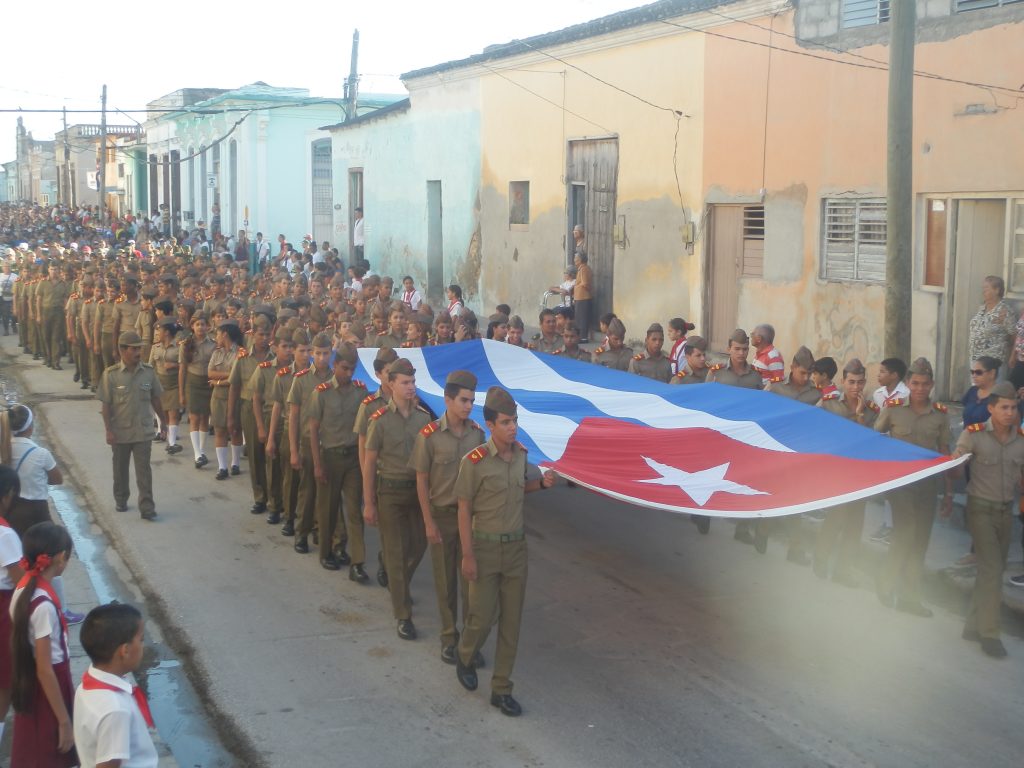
(448, 654)
(329, 563)
(235, 469)
(222, 474)
(274, 518)
(506, 704)
(913, 608)
(77, 377)
(357, 573)
(406, 629)
(151, 515)
(288, 529)
(174, 450)
(382, 574)
(342, 556)
(478, 660)
(466, 675)
(85, 385)
(301, 545)
(202, 461)
(703, 523)
(993, 646)
(121, 507)
(258, 508)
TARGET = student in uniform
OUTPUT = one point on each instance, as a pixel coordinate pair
(112, 718)
(653, 364)
(516, 328)
(245, 365)
(737, 372)
(617, 355)
(571, 344)
(194, 384)
(798, 386)
(677, 330)
(279, 439)
(164, 358)
(548, 339)
(230, 341)
(41, 686)
(490, 488)
(694, 364)
(891, 373)
(10, 574)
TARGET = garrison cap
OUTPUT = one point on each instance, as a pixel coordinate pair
(516, 322)
(1004, 390)
(655, 328)
(696, 342)
(322, 340)
(129, 339)
(299, 336)
(346, 353)
(739, 336)
(616, 328)
(463, 379)
(283, 334)
(803, 358)
(387, 355)
(149, 293)
(167, 322)
(261, 323)
(401, 367)
(921, 367)
(501, 401)
(226, 323)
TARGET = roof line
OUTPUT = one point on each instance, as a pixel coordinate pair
(399, 106)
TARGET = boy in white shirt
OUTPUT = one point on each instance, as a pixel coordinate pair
(891, 373)
(111, 716)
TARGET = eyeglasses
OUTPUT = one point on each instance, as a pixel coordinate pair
(978, 371)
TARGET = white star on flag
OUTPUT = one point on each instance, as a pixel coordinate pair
(699, 486)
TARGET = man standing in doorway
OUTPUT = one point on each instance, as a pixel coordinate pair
(358, 237)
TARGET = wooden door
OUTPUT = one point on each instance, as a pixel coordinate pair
(592, 175)
(725, 255)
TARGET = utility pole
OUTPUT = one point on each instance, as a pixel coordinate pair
(68, 197)
(101, 171)
(352, 83)
(900, 177)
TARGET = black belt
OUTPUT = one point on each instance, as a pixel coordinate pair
(395, 484)
(500, 537)
(344, 450)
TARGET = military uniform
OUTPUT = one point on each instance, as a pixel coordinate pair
(128, 395)
(844, 523)
(658, 368)
(808, 394)
(289, 477)
(240, 379)
(126, 313)
(262, 385)
(72, 311)
(996, 477)
(540, 343)
(52, 297)
(104, 331)
(725, 374)
(339, 501)
(165, 358)
(301, 395)
(438, 452)
(401, 525)
(86, 322)
(144, 327)
(618, 359)
(686, 376)
(913, 507)
(197, 375)
(221, 361)
(386, 341)
(580, 354)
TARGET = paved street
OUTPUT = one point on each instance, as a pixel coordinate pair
(644, 643)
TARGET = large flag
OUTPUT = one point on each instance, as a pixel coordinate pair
(706, 448)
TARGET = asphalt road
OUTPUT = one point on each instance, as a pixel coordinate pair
(644, 643)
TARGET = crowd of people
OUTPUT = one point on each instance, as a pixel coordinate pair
(263, 363)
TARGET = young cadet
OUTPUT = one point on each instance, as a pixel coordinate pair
(653, 364)
(845, 523)
(515, 332)
(823, 374)
(798, 386)
(693, 367)
(334, 447)
(390, 483)
(240, 381)
(997, 458)
(617, 355)
(439, 448)
(262, 383)
(737, 372)
(279, 439)
(767, 360)
(299, 398)
(891, 387)
(370, 405)
(490, 488)
(571, 344)
(111, 716)
(548, 339)
(925, 424)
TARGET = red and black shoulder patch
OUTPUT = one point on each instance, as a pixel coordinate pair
(267, 364)
(283, 371)
(369, 399)
(638, 357)
(894, 402)
(378, 413)
(776, 379)
(242, 353)
(477, 454)
(976, 427)
(323, 387)
(430, 429)
(874, 407)
(831, 396)
(716, 367)
(940, 407)
(302, 373)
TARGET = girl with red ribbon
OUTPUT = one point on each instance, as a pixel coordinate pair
(42, 689)
(10, 575)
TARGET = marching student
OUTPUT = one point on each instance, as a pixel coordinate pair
(10, 575)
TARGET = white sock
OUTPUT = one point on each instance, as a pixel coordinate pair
(194, 436)
(222, 457)
(172, 434)
(202, 441)
(236, 455)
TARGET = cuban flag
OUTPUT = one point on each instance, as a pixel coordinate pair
(705, 448)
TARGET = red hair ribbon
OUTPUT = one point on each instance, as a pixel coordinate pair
(43, 562)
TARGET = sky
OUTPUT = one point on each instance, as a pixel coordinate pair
(143, 52)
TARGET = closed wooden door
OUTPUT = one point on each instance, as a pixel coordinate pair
(592, 174)
(725, 254)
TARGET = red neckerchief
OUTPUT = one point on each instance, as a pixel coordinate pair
(407, 296)
(90, 683)
(452, 304)
(4, 523)
(44, 585)
(676, 347)
(828, 389)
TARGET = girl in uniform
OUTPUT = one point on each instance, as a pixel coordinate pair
(41, 686)
(194, 385)
(230, 341)
(164, 357)
(10, 575)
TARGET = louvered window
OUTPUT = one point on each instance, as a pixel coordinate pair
(753, 241)
(853, 240)
(864, 13)
(973, 5)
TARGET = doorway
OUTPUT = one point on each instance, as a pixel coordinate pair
(435, 245)
(725, 253)
(355, 200)
(591, 179)
(323, 190)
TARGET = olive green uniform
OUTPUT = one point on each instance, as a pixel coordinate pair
(403, 538)
(618, 359)
(580, 354)
(387, 341)
(808, 394)
(913, 506)
(494, 489)
(289, 477)
(197, 375)
(658, 368)
(72, 311)
(241, 378)
(438, 452)
(144, 327)
(221, 361)
(726, 374)
(339, 501)
(104, 331)
(997, 473)
(52, 297)
(540, 343)
(685, 376)
(87, 319)
(262, 384)
(128, 395)
(301, 394)
(164, 359)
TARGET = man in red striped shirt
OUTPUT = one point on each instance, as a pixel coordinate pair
(767, 360)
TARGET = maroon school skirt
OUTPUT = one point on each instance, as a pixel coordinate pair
(5, 639)
(36, 732)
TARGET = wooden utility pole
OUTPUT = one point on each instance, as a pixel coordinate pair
(899, 175)
(101, 171)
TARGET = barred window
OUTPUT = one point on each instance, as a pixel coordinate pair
(972, 5)
(864, 13)
(753, 241)
(853, 240)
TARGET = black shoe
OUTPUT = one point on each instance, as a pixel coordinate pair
(258, 508)
(406, 629)
(448, 654)
(222, 474)
(301, 545)
(357, 573)
(341, 556)
(288, 529)
(174, 450)
(466, 675)
(151, 515)
(158, 438)
(202, 461)
(121, 507)
(235, 469)
(85, 385)
(971, 635)
(329, 563)
(913, 608)
(506, 704)
(760, 540)
(703, 523)
(993, 647)
(382, 574)
(799, 557)
(274, 518)
(76, 378)
(478, 660)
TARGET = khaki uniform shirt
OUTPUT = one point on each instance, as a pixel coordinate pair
(370, 404)
(262, 382)
(73, 309)
(282, 386)
(997, 469)
(438, 452)
(163, 354)
(242, 370)
(301, 394)
(809, 394)
(551, 346)
(221, 361)
(144, 327)
(837, 405)
(87, 316)
(690, 377)
(105, 316)
(580, 354)
(387, 341)
(334, 408)
(724, 374)
(53, 294)
(129, 396)
(619, 360)
(128, 311)
(494, 488)
(658, 368)
(202, 351)
(929, 430)
(393, 437)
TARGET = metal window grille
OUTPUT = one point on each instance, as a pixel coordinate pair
(753, 241)
(854, 240)
(864, 13)
(973, 5)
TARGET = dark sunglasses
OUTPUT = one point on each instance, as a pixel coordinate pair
(978, 371)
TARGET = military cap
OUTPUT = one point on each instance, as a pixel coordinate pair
(346, 353)
(803, 358)
(261, 323)
(300, 337)
(167, 322)
(229, 321)
(283, 334)
(655, 328)
(131, 280)
(129, 339)
(386, 355)
(88, 282)
(464, 379)
(516, 322)
(263, 309)
(321, 340)
(401, 367)
(289, 304)
(696, 342)
(616, 328)
(188, 304)
(149, 293)
(921, 367)
(287, 314)
(501, 401)
(170, 279)
(739, 336)
(1004, 390)
(498, 319)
